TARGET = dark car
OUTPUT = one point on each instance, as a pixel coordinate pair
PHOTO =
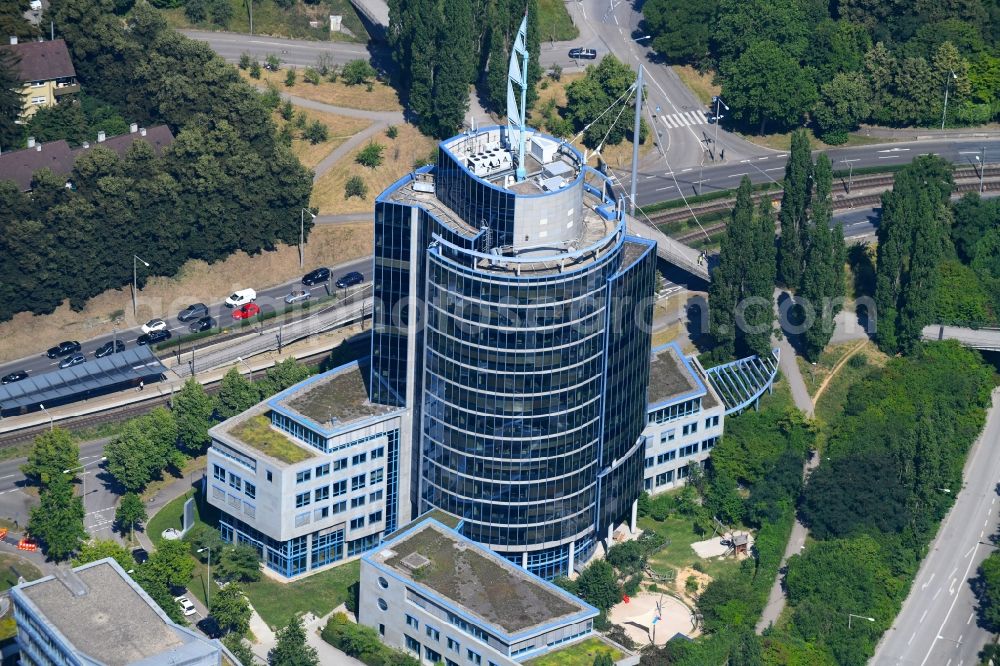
(70, 361)
(14, 377)
(192, 312)
(586, 54)
(202, 324)
(140, 555)
(153, 337)
(350, 280)
(63, 348)
(109, 348)
(210, 627)
(318, 276)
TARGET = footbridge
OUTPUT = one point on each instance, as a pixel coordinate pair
(985, 339)
(672, 251)
(741, 383)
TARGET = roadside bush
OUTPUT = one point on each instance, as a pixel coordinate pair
(357, 72)
(311, 76)
(355, 187)
(290, 78)
(244, 60)
(371, 155)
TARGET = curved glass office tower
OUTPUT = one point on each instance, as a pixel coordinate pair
(509, 319)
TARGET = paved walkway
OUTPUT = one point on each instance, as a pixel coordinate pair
(924, 133)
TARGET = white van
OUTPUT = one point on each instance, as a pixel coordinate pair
(241, 297)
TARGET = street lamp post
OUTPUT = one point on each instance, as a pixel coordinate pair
(302, 235)
(635, 138)
(947, 82)
(718, 117)
(47, 414)
(850, 172)
(135, 280)
(239, 359)
(850, 616)
(208, 588)
(83, 467)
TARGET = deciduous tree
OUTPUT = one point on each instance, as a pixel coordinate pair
(231, 609)
(54, 452)
(131, 510)
(292, 649)
(193, 409)
(57, 521)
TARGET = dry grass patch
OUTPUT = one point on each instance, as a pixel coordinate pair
(381, 97)
(702, 85)
(341, 129)
(397, 160)
(196, 281)
(554, 90)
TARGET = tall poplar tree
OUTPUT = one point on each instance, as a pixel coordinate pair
(794, 210)
(746, 271)
(823, 277)
(11, 102)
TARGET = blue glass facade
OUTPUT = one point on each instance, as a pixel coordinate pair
(529, 371)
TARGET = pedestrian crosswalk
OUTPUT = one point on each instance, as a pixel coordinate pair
(684, 119)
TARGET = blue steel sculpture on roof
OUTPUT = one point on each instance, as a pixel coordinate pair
(740, 383)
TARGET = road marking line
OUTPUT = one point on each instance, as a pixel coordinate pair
(886, 157)
(653, 176)
(8, 476)
(685, 170)
(661, 189)
(986, 523)
(763, 158)
(981, 532)
(993, 502)
(950, 609)
(953, 571)
(924, 586)
(4, 492)
(951, 586)
(924, 615)
(744, 161)
(911, 638)
(936, 594)
(971, 615)
(775, 169)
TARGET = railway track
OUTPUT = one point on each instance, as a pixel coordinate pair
(863, 200)
(121, 413)
(858, 183)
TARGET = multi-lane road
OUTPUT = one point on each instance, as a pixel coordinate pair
(938, 625)
(269, 297)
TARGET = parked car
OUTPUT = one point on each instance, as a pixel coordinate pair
(297, 296)
(15, 376)
(203, 324)
(110, 347)
(350, 279)
(140, 555)
(318, 276)
(585, 54)
(154, 325)
(70, 361)
(210, 627)
(153, 338)
(241, 297)
(247, 311)
(186, 606)
(192, 312)
(63, 348)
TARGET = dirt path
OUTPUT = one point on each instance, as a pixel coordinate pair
(835, 370)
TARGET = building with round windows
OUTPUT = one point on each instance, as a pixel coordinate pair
(509, 321)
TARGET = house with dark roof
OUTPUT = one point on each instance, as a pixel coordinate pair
(45, 71)
(57, 156)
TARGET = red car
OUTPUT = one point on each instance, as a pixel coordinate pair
(247, 311)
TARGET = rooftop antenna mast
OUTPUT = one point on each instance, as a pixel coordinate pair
(517, 75)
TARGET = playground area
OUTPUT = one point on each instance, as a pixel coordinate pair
(637, 617)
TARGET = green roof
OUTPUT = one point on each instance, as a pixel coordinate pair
(576, 654)
(337, 399)
(476, 579)
(257, 432)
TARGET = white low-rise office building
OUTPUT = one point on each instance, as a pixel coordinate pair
(313, 476)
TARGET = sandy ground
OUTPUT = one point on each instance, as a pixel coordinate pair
(637, 618)
(196, 281)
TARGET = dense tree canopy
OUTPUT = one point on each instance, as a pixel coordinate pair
(226, 183)
(841, 63)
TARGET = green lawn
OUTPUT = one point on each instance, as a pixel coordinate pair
(170, 515)
(577, 654)
(679, 554)
(554, 23)
(269, 19)
(319, 594)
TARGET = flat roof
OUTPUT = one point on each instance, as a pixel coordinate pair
(335, 398)
(257, 432)
(478, 581)
(112, 621)
(671, 376)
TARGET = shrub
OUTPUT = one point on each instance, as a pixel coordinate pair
(196, 11)
(859, 360)
(392, 131)
(357, 72)
(556, 72)
(355, 187)
(371, 155)
(351, 603)
(287, 110)
(290, 78)
(691, 584)
(316, 132)
(311, 76)
(273, 62)
(631, 586)
(363, 643)
(244, 60)
(255, 70)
